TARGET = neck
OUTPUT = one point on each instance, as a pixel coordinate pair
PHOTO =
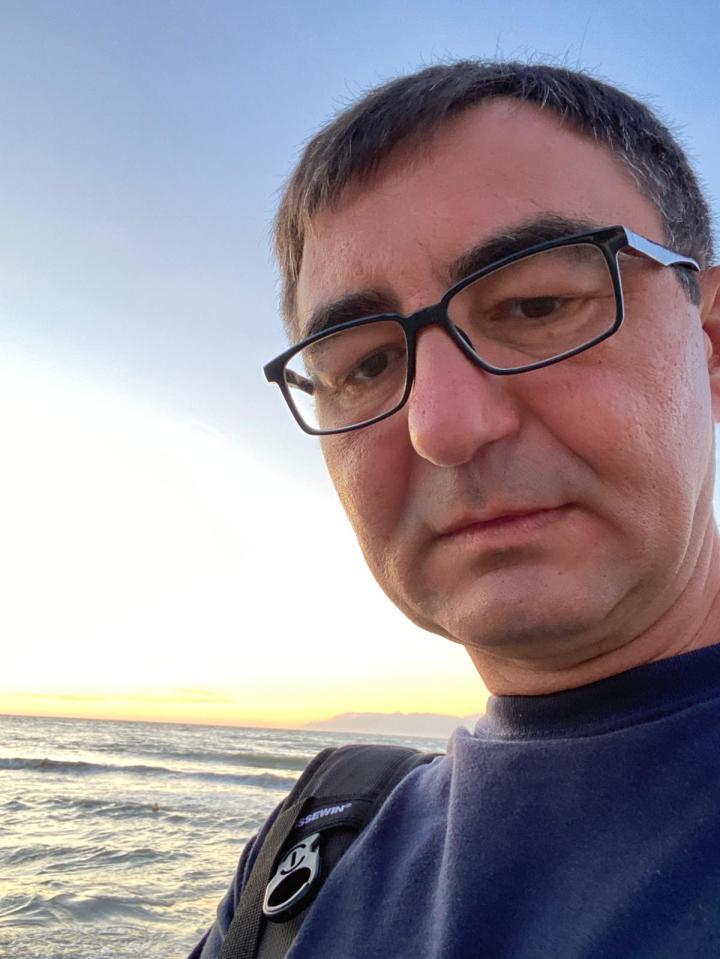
(691, 622)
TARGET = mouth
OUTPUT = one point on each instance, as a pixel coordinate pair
(503, 524)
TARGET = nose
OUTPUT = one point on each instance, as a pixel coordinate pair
(455, 408)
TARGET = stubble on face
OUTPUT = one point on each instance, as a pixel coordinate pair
(621, 434)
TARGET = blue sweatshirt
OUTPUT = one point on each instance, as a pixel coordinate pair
(578, 825)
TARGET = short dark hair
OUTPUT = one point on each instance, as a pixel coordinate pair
(354, 145)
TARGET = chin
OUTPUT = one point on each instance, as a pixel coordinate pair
(532, 609)
(532, 627)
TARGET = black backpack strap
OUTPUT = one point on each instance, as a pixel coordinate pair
(244, 931)
(337, 795)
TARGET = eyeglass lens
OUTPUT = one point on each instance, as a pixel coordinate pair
(531, 310)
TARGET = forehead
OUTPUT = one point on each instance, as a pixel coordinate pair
(488, 170)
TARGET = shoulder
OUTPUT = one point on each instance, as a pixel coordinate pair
(364, 776)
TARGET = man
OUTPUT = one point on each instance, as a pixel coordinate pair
(528, 463)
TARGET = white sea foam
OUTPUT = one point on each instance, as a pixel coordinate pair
(45, 765)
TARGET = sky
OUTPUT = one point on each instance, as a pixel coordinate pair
(171, 548)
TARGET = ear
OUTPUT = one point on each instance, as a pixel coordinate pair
(710, 318)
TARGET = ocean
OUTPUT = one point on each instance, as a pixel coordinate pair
(118, 839)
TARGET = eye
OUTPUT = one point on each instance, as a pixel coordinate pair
(379, 370)
(536, 308)
(374, 365)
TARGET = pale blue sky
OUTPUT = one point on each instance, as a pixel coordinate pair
(142, 147)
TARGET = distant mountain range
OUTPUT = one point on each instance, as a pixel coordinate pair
(434, 725)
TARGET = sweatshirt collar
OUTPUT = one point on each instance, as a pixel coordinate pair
(638, 695)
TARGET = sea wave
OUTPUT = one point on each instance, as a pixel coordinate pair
(248, 757)
(115, 809)
(40, 911)
(66, 858)
(79, 768)
(27, 854)
(98, 820)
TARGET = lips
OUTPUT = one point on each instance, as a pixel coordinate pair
(501, 518)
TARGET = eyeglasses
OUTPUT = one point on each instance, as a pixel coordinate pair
(525, 311)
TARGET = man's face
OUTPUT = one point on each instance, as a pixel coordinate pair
(542, 517)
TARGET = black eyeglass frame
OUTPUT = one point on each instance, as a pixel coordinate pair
(609, 240)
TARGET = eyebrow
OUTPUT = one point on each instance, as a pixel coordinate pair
(526, 233)
(354, 306)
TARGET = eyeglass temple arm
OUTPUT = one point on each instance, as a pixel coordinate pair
(301, 382)
(661, 254)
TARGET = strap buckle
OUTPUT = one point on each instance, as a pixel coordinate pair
(294, 880)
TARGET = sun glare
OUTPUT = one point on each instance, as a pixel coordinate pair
(144, 576)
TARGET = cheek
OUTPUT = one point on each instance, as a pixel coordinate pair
(370, 470)
(642, 418)
(673, 424)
